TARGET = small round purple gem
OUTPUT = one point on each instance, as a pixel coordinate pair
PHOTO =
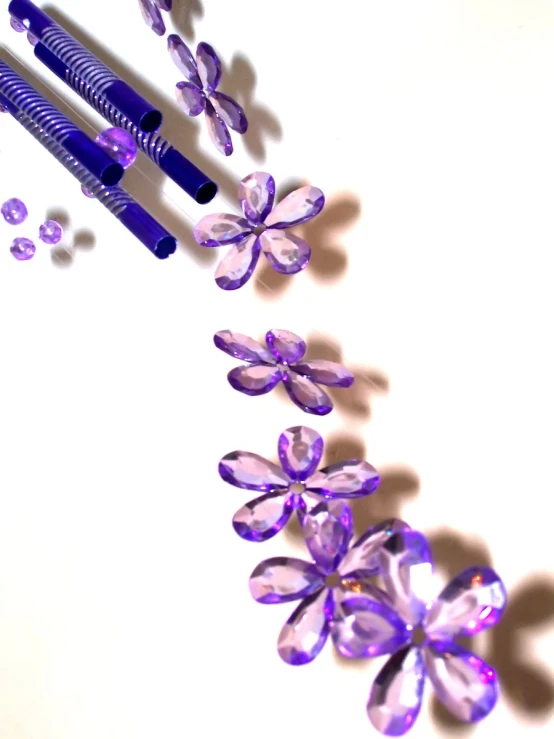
(51, 233)
(22, 249)
(14, 211)
(119, 144)
(33, 40)
(87, 193)
(17, 25)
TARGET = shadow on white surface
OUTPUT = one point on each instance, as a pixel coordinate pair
(184, 15)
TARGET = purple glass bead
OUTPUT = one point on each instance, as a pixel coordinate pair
(14, 211)
(152, 16)
(119, 144)
(87, 193)
(33, 40)
(17, 25)
(51, 233)
(22, 249)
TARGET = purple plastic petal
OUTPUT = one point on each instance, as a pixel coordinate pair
(252, 472)
(262, 518)
(152, 16)
(286, 253)
(300, 449)
(307, 395)
(209, 66)
(327, 531)
(237, 266)
(164, 4)
(348, 479)
(242, 347)
(363, 559)
(257, 379)
(304, 635)
(299, 207)
(219, 133)
(221, 229)
(230, 112)
(283, 579)
(183, 59)
(463, 683)
(406, 570)
(285, 346)
(190, 98)
(366, 625)
(256, 195)
(473, 601)
(326, 373)
(395, 698)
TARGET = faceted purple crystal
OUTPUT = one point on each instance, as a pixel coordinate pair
(252, 472)
(119, 145)
(152, 16)
(164, 4)
(17, 25)
(363, 556)
(306, 395)
(463, 683)
(220, 229)
(219, 133)
(285, 346)
(304, 635)
(395, 699)
(349, 479)
(284, 579)
(327, 533)
(236, 267)
(50, 232)
(256, 196)
(242, 347)
(300, 450)
(257, 379)
(472, 601)
(191, 98)
(262, 518)
(327, 373)
(230, 112)
(299, 207)
(22, 249)
(14, 211)
(286, 253)
(183, 59)
(209, 67)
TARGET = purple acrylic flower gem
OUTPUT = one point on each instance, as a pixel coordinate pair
(14, 211)
(424, 632)
(22, 249)
(198, 93)
(282, 362)
(295, 485)
(260, 229)
(337, 575)
(150, 10)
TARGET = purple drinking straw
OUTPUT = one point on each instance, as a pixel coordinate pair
(172, 163)
(120, 204)
(24, 100)
(91, 70)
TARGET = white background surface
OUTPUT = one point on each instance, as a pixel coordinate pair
(124, 607)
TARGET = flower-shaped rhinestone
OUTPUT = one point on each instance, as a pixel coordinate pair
(262, 228)
(295, 485)
(337, 575)
(282, 362)
(198, 94)
(150, 10)
(421, 634)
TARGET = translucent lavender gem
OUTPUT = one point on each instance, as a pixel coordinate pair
(119, 144)
(23, 249)
(256, 196)
(251, 472)
(242, 347)
(164, 4)
(33, 40)
(50, 232)
(87, 193)
(219, 229)
(283, 579)
(209, 66)
(300, 206)
(285, 346)
(191, 98)
(327, 532)
(262, 518)
(300, 450)
(230, 112)
(14, 211)
(219, 133)
(351, 478)
(237, 266)
(286, 253)
(307, 395)
(17, 25)
(152, 16)
(183, 59)
(304, 635)
(258, 379)
(327, 373)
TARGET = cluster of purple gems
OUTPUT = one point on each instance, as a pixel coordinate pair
(14, 211)
(372, 597)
